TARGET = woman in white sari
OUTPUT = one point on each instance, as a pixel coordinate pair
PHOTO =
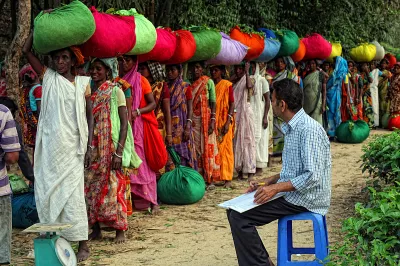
(244, 142)
(260, 104)
(64, 129)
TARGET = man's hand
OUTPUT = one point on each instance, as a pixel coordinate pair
(264, 193)
(88, 158)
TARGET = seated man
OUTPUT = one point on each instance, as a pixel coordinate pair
(305, 176)
(9, 151)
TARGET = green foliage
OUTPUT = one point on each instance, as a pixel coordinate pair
(373, 236)
(381, 159)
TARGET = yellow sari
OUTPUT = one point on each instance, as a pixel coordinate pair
(225, 142)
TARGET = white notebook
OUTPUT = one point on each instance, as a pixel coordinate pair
(244, 202)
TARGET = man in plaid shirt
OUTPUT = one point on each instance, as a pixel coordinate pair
(305, 176)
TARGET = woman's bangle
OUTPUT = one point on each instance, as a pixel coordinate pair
(119, 144)
(138, 111)
(190, 120)
(230, 116)
(213, 118)
(91, 147)
(116, 154)
(169, 136)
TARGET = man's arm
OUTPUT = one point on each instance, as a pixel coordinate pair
(9, 141)
(11, 157)
(312, 152)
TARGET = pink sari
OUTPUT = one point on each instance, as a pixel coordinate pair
(143, 183)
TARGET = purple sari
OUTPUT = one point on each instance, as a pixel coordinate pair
(178, 121)
(143, 183)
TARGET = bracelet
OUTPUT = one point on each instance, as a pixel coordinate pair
(169, 136)
(119, 144)
(213, 114)
(119, 156)
(213, 118)
(231, 117)
(138, 111)
(190, 120)
(91, 147)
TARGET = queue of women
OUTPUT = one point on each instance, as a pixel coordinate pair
(98, 157)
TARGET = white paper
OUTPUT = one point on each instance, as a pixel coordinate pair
(244, 202)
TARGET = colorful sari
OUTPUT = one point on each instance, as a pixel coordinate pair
(368, 112)
(245, 140)
(179, 119)
(348, 109)
(333, 95)
(205, 145)
(143, 183)
(224, 142)
(107, 191)
(158, 92)
(313, 95)
(394, 95)
(383, 90)
(29, 118)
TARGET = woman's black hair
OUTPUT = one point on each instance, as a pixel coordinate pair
(290, 92)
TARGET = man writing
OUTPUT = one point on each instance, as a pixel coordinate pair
(305, 176)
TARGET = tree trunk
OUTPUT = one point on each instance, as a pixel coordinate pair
(14, 53)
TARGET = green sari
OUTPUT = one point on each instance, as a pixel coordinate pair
(313, 95)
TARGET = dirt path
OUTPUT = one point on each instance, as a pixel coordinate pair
(199, 234)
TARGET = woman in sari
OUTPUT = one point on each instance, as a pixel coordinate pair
(205, 142)
(61, 153)
(348, 108)
(224, 123)
(143, 182)
(107, 184)
(181, 118)
(260, 104)
(285, 68)
(383, 85)
(366, 96)
(333, 95)
(314, 92)
(154, 73)
(393, 94)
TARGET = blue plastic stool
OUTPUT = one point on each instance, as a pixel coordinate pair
(285, 240)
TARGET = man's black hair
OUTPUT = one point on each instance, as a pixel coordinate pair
(10, 104)
(290, 92)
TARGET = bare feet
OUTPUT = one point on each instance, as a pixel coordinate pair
(155, 209)
(228, 184)
(250, 177)
(211, 186)
(240, 176)
(96, 233)
(119, 237)
(83, 251)
(259, 171)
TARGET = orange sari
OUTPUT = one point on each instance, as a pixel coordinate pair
(224, 142)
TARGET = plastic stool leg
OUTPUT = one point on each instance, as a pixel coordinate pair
(290, 239)
(319, 238)
(283, 252)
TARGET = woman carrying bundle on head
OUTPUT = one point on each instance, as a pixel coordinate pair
(315, 92)
(143, 182)
(64, 130)
(181, 118)
(154, 73)
(285, 68)
(107, 184)
(224, 123)
(204, 117)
